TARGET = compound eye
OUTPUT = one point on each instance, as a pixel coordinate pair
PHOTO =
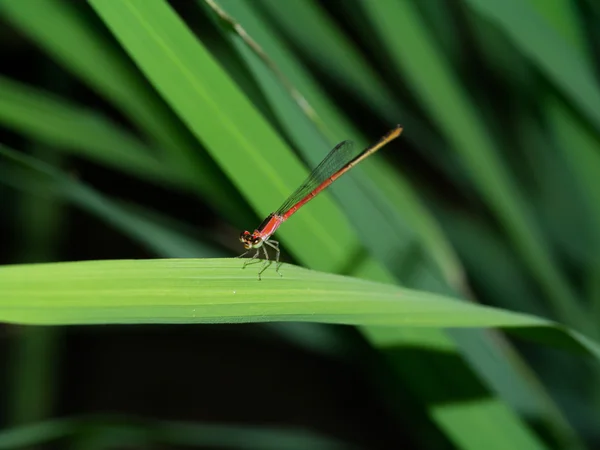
(256, 240)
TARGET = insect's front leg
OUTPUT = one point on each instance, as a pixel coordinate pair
(251, 260)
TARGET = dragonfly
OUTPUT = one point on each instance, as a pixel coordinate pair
(338, 161)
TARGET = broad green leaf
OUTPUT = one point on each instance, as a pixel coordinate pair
(222, 290)
(218, 291)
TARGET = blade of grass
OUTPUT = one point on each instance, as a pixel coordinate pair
(556, 197)
(33, 371)
(224, 294)
(257, 49)
(559, 37)
(562, 24)
(149, 432)
(557, 200)
(562, 14)
(511, 380)
(222, 118)
(473, 238)
(500, 54)
(559, 59)
(581, 148)
(335, 127)
(344, 63)
(449, 106)
(380, 236)
(320, 40)
(42, 116)
(536, 400)
(442, 23)
(62, 31)
(59, 29)
(34, 352)
(217, 291)
(33, 176)
(580, 145)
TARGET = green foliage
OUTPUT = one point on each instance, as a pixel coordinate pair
(490, 195)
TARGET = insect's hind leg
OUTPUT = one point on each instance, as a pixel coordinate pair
(243, 254)
(275, 245)
(266, 262)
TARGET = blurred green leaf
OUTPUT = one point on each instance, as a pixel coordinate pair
(449, 106)
(33, 176)
(126, 429)
(562, 14)
(60, 29)
(560, 61)
(581, 150)
(79, 131)
(322, 41)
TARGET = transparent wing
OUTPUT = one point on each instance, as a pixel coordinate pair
(335, 160)
(339, 160)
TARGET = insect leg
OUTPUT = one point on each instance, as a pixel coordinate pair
(266, 263)
(275, 245)
(252, 260)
